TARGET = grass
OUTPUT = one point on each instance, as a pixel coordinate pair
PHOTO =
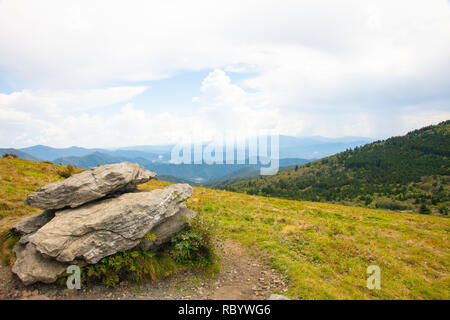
(324, 249)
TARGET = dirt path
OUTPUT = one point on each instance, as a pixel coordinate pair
(241, 277)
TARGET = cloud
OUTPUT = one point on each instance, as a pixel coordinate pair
(57, 102)
(230, 108)
(128, 126)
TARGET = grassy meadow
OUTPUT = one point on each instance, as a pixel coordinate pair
(323, 249)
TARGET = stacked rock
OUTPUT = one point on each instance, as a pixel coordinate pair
(95, 214)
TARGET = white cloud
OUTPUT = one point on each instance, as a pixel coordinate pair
(57, 102)
(230, 108)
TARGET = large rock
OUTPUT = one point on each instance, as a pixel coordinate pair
(90, 185)
(167, 229)
(31, 266)
(99, 229)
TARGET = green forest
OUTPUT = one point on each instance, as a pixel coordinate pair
(406, 173)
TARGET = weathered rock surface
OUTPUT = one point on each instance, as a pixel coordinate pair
(90, 185)
(33, 223)
(99, 229)
(32, 267)
(167, 229)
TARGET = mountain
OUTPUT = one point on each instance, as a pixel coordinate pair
(312, 147)
(289, 147)
(196, 173)
(322, 249)
(410, 172)
(293, 151)
(249, 173)
(89, 161)
(19, 153)
(49, 153)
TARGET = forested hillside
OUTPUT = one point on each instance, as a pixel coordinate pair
(410, 172)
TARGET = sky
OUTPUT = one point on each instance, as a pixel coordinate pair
(103, 73)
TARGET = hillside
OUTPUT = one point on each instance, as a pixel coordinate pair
(322, 249)
(410, 172)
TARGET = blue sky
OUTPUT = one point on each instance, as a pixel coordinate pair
(107, 74)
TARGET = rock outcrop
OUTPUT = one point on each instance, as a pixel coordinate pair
(96, 230)
(85, 231)
(90, 185)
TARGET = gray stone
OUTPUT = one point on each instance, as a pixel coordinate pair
(90, 185)
(33, 223)
(167, 229)
(32, 267)
(99, 229)
(278, 297)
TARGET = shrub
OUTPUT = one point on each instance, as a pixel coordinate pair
(10, 156)
(391, 205)
(194, 247)
(133, 266)
(66, 172)
(443, 209)
(424, 209)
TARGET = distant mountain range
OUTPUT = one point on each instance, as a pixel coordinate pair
(293, 151)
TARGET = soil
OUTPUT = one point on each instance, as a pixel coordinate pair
(241, 276)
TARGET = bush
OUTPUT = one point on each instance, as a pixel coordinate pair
(66, 172)
(443, 209)
(10, 156)
(194, 247)
(424, 209)
(133, 266)
(391, 205)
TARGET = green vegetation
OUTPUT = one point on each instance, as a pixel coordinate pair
(193, 247)
(400, 173)
(132, 266)
(67, 171)
(19, 178)
(8, 239)
(323, 249)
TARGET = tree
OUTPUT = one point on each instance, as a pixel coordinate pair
(424, 209)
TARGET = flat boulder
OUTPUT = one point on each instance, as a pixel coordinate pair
(102, 228)
(90, 185)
